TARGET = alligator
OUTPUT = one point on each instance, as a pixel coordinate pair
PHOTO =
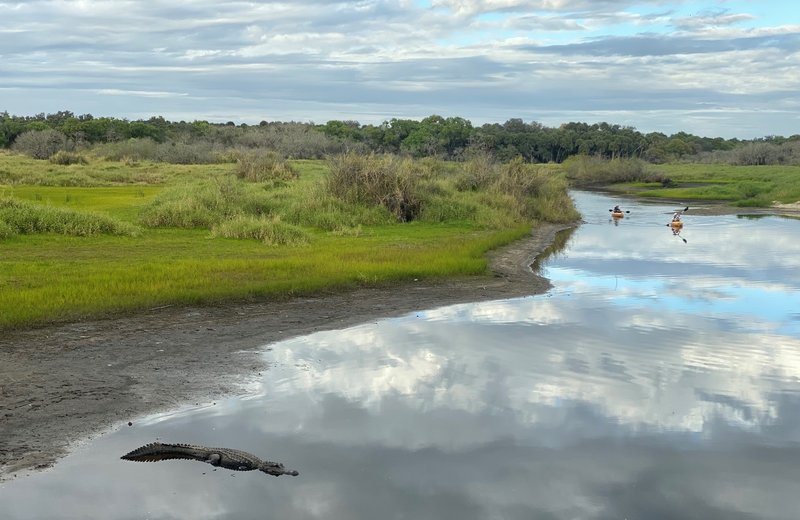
(222, 457)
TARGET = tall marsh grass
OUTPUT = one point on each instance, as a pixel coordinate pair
(204, 204)
(25, 218)
(269, 230)
(317, 208)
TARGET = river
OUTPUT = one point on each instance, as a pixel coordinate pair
(659, 378)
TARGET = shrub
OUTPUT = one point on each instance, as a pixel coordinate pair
(132, 150)
(183, 153)
(519, 179)
(585, 170)
(757, 154)
(146, 149)
(380, 180)
(263, 166)
(292, 140)
(477, 173)
(40, 144)
(66, 158)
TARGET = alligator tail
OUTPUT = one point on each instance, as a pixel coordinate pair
(156, 451)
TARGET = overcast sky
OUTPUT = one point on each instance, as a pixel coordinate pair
(711, 67)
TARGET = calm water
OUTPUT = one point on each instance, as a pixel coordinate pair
(660, 378)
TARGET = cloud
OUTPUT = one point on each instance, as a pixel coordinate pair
(473, 7)
(141, 93)
(649, 64)
(653, 45)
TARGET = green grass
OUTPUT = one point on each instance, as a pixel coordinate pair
(23, 217)
(271, 239)
(45, 278)
(123, 202)
(746, 186)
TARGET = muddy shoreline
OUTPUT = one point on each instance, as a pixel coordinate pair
(64, 384)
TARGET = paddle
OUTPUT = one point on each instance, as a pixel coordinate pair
(626, 211)
(683, 211)
(678, 234)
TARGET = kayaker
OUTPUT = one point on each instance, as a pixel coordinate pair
(617, 210)
(676, 217)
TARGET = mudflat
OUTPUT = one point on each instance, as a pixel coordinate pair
(66, 383)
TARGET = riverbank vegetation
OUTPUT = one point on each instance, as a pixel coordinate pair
(90, 238)
(743, 186)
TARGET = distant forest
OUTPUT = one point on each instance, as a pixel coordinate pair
(452, 138)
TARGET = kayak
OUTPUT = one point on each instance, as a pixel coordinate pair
(617, 214)
(676, 224)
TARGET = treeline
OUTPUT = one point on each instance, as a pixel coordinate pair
(453, 138)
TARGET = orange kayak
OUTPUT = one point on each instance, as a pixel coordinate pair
(676, 224)
(617, 214)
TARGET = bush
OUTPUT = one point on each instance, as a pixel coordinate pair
(585, 170)
(519, 179)
(131, 150)
(183, 153)
(40, 144)
(380, 180)
(66, 158)
(263, 166)
(291, 140)
(477, 174)
(757, 154)
(172, 152)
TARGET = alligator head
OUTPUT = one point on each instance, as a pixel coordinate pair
(276, 469)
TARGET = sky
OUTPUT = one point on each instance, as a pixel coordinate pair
(713, 68)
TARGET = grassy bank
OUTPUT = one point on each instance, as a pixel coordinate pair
(744, 186)
(174, 235)
(46, 278)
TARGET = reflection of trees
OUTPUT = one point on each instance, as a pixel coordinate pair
(560, 243)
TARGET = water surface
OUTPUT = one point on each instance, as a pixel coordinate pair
(660, 378)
